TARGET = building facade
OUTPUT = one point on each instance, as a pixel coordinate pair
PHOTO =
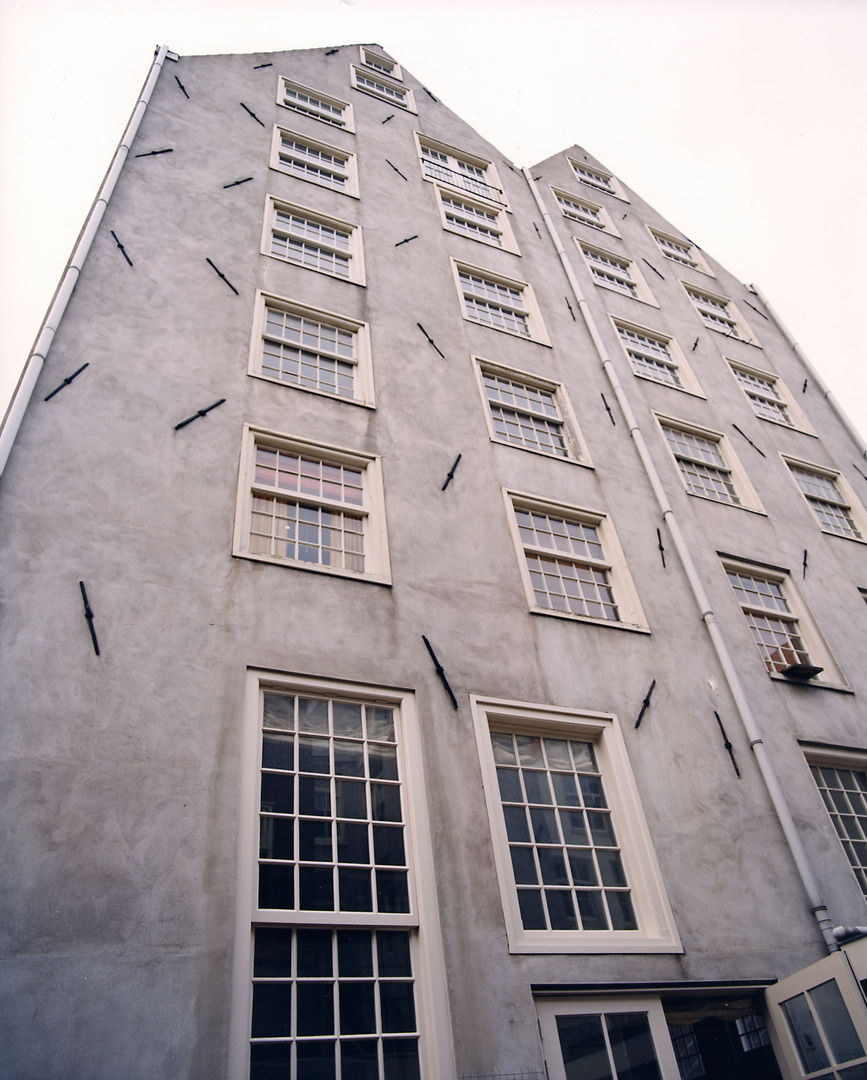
(433, 619)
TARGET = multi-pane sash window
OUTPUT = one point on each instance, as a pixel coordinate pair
(574, 859)
(383, 87)
(472, 219)
(498, 302)
(702, 465)
(771, 621)
(567, 566)
(716, 312)
(312, 507)
(611, 271)
(302, 99)
(313, 350)
(525, 414)
(563, 843)
(335, 990)
(333, 1003)
(822, 491)
(380, 63)
(764, 395)
(844, 791)
(578, 210)
(331, 823)
(314, 241)
(441, 163)
(307, 509)
(679, 251)
(594, 177)
(649, 355)
(321, 164)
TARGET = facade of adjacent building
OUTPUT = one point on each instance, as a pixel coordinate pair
(434, 604)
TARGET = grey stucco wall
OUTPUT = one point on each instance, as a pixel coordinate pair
(120, 772)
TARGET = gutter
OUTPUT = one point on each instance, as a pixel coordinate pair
(778, 800)
(33, 366)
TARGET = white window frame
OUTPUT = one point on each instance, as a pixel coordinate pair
(680, 251)
(548, 1010)
(527, 309)
(596, 178)
(595, 216)
(370, 81)
(778, 393)
(631, 614)
(345, 166)
(371, 510)
(432, 1017)
(499, 226)
(353, 250)
(380, 63)
(330, 110)
(817, 649)
(448, 173)
(846, 968)
(731, 324)
(828, 757)
(744, 492)
(848, 502)
(576, 448)
(656, 931)
(682, 369)
(624, 269)
(360, 331)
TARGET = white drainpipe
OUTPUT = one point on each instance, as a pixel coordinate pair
(27, 381)
(751, 728)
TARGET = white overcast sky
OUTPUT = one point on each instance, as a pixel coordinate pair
(741, 121)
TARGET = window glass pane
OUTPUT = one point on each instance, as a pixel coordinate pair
(837, 1026)
(632, 1046)
(805, 1034)
(582, 1044)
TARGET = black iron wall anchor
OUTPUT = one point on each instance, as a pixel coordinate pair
(608, 410)
(727, 744)
(235, 183)
(246, 108)
(804, 563)
(653, 268)
(430, 340)
(65, 382)
(407, 239)
(749, 440)
(661, 547)
(88, 614)
(451, 472)
(183, 88)
(396, 169)
(440, 672)
(645, 705)
(120, 245)
(220, 273)
(154, 153)
(196, 415)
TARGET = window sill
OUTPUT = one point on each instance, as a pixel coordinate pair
(609, 623)
(569, 459)
(315, 270)
(310, 390)
(511, 333)
(590, 941)
(812, 684)
(734, 506)
(840, 536)
(668, 386)
(311, 568)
